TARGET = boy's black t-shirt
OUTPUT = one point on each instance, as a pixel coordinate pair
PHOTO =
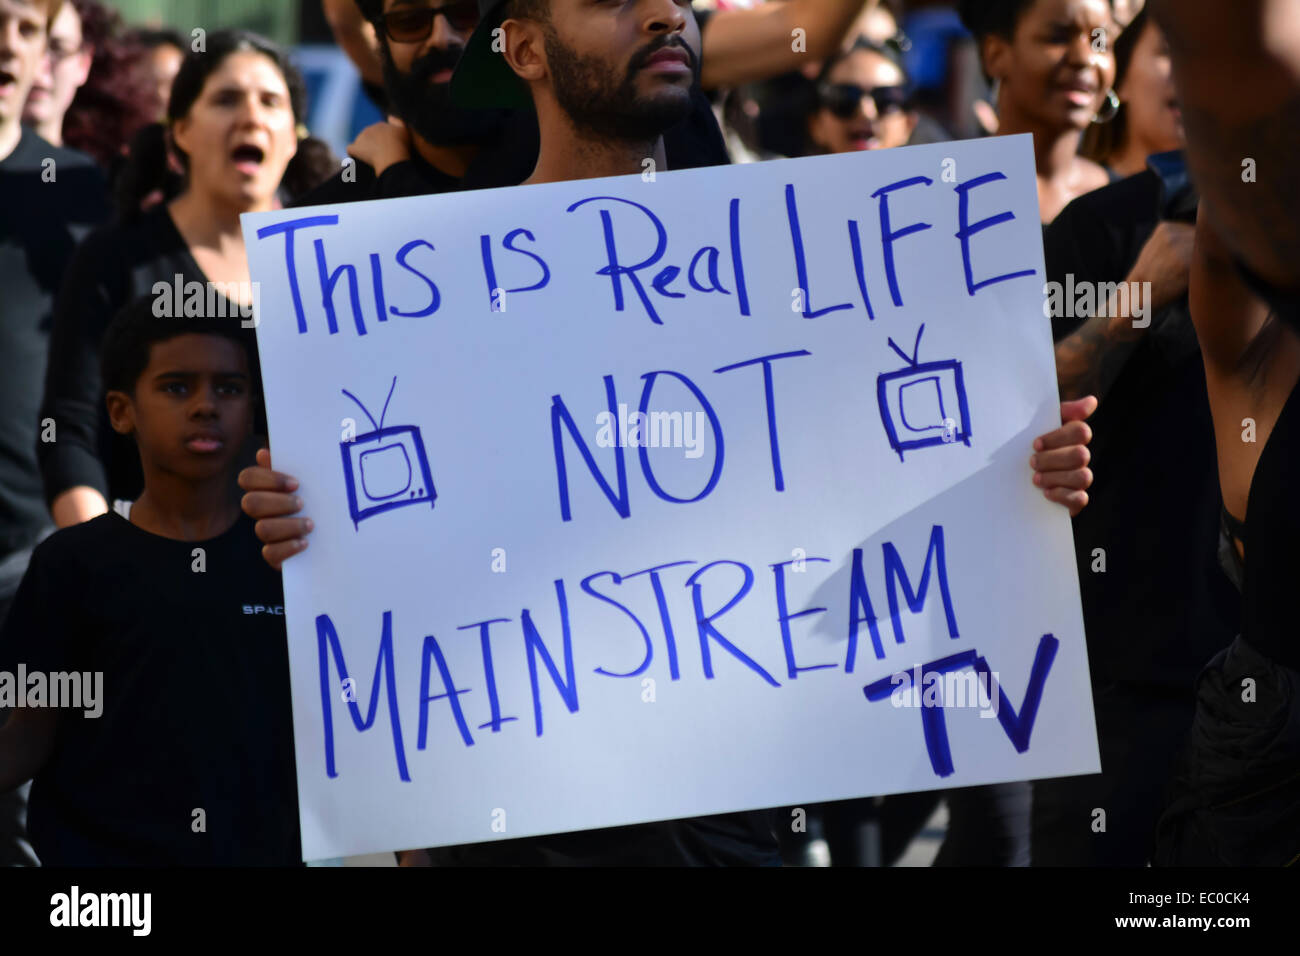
(190, 639)
(49, 199)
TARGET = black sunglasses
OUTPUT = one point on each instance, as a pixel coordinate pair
(414, 24)
(844, 99)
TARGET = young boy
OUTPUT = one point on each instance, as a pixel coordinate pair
(186, 757)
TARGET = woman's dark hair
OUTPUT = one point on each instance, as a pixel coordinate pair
(992, 17)
(114, 101)
(148, 168)
(789, 101)
(1103, 140)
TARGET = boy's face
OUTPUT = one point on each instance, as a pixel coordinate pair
(22, 45)
(192, 409)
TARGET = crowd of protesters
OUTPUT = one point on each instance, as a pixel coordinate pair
(127, 157)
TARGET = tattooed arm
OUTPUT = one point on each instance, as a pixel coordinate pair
(1243, 133)
(1090, 359)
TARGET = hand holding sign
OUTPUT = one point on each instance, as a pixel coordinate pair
(271, 502)
(1061, 456)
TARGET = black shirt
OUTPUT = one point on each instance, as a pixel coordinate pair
(508, 159)
(41, 221)
(357, 182)
(1272, 556)
(195, 696)
(1162, 607)
(732, 839)
(115, 266)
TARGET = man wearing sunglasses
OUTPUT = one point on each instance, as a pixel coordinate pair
(393, 38)
(428, 146)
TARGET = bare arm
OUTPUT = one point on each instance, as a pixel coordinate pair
(1227, 318)
(1089, 360)
(1250, 123)
(26, 740)
(356, 37)
(744, 46)
(77, 505)
(1251, 364)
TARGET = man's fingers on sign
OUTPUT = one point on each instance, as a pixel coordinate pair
(270, 500)
(1061, 457)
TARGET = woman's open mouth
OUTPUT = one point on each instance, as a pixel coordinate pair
(248, 158)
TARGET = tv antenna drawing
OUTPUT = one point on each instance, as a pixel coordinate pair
(924, 403)
(385, 468)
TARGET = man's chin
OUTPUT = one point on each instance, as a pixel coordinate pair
(666, 87)
(666, 106)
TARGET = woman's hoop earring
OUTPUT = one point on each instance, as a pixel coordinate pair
(1109, 108)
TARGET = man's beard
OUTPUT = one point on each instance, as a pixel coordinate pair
(602, 106)
(426, 108)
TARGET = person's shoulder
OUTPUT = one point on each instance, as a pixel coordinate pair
(29, 153)
(354, 183)
(82, 193)
(34, 152)
(81, 544)
(1110, 205)
(121, 239)
(1115, 195)
(67, 158)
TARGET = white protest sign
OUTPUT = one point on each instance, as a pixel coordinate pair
(645, 500)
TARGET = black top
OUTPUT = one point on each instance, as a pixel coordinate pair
(733, 839)
(509, 159)
(115, 266)
(45, 209)
(1162, 607)
(411, 177)
(1272, 532)
(195, 697)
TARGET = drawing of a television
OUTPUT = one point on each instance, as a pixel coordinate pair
(385, 468)
(923, 404)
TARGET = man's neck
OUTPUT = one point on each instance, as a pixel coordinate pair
(452, 161)
(51, 131)
(567, 153)
(11, 131)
